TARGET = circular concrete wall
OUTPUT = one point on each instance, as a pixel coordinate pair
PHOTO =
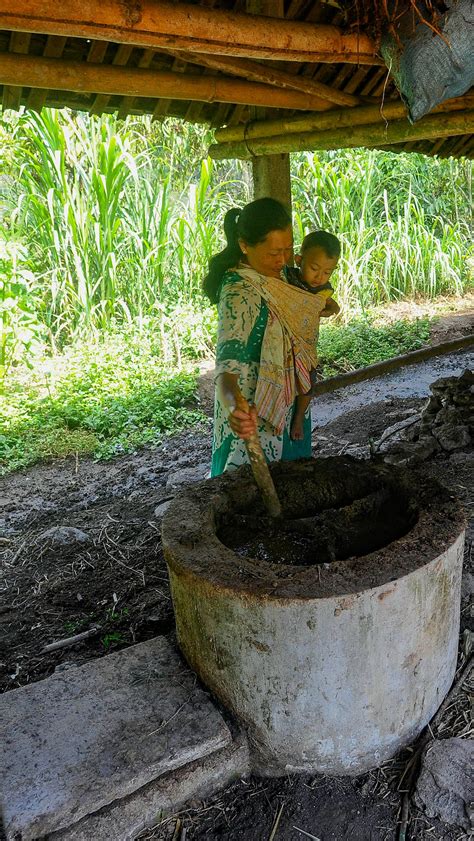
(335, 662)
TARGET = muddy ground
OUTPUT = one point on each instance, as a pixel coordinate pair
(112, 577)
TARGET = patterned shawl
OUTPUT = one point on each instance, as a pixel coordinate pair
(289, 344)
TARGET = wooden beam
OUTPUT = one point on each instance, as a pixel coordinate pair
(256, 72)
(56, 74)
(398, 131)
(340, 118)
(160, 24)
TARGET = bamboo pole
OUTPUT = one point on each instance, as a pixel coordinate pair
(57, 74)
(257, 72)
(160, 24)
(392, 364)
(398, 131)
(361, 115)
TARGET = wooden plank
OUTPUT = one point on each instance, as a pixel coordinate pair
(54, 49)
(19, 43)
(396, 131)
(157, 23)
(57, 74)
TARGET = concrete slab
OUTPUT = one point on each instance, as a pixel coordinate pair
(94, 734)
(125, 819)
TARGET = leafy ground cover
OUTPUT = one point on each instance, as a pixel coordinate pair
(104, 398)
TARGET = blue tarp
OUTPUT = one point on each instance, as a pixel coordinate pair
(431, 68)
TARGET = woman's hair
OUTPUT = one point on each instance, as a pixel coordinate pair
(322, 239)
(252, 224)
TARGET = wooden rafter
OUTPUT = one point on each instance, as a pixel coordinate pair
(393, 132)
(337, 119)
(159, 24)
(56, 74)
(256, 72)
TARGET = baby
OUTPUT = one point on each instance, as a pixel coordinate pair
(319, 256)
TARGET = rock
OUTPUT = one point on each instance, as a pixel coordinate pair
(462, 458)
(187, 476)
(64, 536)
(445, 787)
(467, 376)
(452, 437)
(443, 385)
(467, 585)
(161, 509)
(448, 414)
(393, 435)
(411, 452)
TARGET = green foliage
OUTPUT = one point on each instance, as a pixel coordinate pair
(119, 223)
(405, 222)
(21, 335)
(104, 398)
(361, 342)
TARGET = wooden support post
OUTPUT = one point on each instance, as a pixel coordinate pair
(271, 173)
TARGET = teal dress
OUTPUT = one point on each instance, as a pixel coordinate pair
(242, 319)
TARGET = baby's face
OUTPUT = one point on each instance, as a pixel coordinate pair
(316, 266)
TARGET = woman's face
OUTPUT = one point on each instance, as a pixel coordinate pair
(269, 257)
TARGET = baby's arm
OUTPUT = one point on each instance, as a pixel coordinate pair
(331, 308)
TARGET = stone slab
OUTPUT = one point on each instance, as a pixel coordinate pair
(125, 819)
(83, 738)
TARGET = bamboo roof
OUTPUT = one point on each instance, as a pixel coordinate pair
(216, 62)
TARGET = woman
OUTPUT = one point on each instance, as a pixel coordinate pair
(252, 393)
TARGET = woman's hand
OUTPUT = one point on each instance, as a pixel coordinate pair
(242, 416)
(243, 419)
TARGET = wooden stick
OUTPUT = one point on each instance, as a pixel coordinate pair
(257, 72)
(155, 23)
(362, 115)
(262, 476)
(68, 641)
(57, 74)
(398, 131)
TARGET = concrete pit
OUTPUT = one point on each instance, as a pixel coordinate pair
(332, 633)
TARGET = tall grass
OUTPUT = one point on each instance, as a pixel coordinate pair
(405, 222)
(113, 231)
(117, 220)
